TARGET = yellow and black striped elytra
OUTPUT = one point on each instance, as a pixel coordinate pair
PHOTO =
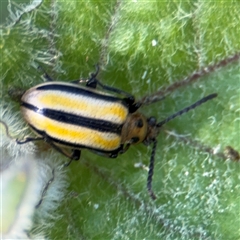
(73, 116)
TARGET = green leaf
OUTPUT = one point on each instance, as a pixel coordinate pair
(146, 48)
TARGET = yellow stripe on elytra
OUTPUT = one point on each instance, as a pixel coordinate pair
(83, 105)
(72, 133)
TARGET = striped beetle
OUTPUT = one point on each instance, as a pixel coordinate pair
(73, 116)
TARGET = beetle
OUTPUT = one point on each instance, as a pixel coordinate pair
(68, 115)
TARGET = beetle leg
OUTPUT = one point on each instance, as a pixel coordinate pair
(44, 191)
(28, 139)
(124, 149)
(112, 155)
(129, 99)
(76, 154)
(79, 81)
(93, 82)
(46, 76)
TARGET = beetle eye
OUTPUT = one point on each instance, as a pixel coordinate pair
(152, 121)
(139, 123)
(134, 139)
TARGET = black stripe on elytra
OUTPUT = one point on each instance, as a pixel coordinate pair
(48, 138)
(78, 90)
(95, 124)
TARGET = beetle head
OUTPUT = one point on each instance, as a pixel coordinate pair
(134, 129)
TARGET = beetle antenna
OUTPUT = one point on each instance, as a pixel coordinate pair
(94, 75)
(151, 170)
(185, 110)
